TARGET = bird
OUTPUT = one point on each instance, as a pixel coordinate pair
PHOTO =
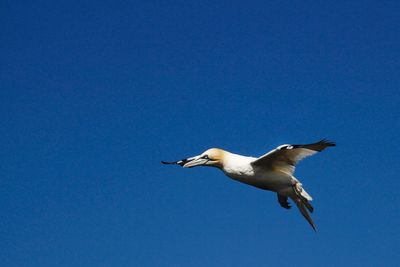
(273, 171)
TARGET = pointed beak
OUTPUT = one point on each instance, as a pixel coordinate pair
(194, 161)
(188, 163)
(179, 162)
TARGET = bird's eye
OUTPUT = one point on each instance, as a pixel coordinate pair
(205, 157)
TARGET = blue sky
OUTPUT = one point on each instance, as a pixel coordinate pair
(94, 94)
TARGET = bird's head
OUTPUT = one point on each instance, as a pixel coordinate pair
(212, 157)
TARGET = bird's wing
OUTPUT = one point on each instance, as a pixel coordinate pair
(285, 157)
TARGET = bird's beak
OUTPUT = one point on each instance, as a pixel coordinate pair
(189, 162)
(194, 161)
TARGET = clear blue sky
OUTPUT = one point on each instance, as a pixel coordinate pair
(95, 93)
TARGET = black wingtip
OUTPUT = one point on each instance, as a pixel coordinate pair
(327, 142)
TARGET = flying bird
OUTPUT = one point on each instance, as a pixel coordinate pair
(272, 171)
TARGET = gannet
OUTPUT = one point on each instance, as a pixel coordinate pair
(272, 171)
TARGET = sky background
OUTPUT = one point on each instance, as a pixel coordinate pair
(94, 94)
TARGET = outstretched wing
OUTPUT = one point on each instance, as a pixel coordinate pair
(285, 157)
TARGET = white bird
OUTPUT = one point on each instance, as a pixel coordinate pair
(272, 171)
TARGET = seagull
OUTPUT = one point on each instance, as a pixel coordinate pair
(272, 171)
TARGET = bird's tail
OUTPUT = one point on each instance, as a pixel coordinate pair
(302, 201)
(304, 212)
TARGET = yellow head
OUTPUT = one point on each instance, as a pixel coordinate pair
(213, 157)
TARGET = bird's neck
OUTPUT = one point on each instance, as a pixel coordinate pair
(235, 164)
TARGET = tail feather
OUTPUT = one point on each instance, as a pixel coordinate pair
(302, 201)
(303, 196)
(304, 212)
(308, 205)
(301, 192)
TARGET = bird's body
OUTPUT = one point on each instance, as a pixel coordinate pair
(239, 168)
(272, 171)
